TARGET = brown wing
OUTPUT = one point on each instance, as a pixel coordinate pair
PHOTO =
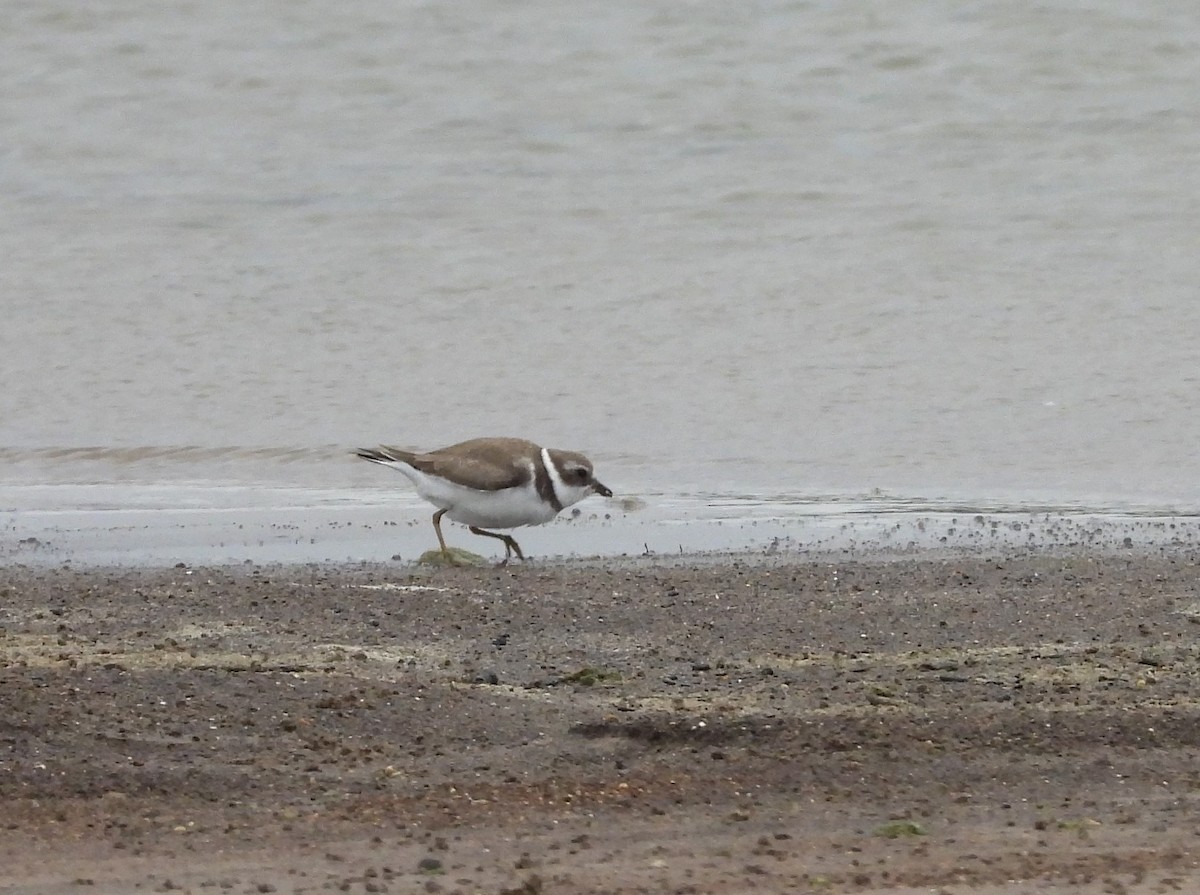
(489, 464)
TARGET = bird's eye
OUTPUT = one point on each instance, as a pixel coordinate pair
(581, 474)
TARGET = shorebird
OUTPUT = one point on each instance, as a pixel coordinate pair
(493, 483)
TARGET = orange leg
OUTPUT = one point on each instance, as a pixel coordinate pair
(510, 545)
(437, 526)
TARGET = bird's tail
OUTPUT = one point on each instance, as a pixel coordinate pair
(384, 455)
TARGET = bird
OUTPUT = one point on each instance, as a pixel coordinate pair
(487, 483)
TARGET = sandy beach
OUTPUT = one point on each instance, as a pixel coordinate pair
(697, 725)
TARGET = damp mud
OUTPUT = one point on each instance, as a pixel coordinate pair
(978, 724)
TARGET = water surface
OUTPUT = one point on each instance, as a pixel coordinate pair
(928, 252)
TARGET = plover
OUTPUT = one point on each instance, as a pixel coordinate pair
(493, 483)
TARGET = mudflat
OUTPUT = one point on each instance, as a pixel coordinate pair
(742, 724)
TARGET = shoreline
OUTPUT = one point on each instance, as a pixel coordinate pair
(157, 530)
(875, 725)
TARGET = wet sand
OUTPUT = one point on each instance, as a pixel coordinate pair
(699, 725)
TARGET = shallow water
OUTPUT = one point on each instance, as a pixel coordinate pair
(933, 253)
(173, 523)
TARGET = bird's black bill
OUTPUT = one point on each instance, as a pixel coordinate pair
(601, 489)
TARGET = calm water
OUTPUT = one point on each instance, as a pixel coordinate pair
(932, 251)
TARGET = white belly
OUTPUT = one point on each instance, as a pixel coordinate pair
(509, 508)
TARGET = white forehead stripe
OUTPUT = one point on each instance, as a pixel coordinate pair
(556, 481)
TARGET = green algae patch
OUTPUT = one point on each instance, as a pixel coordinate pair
(900, 829)
(458, 557)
